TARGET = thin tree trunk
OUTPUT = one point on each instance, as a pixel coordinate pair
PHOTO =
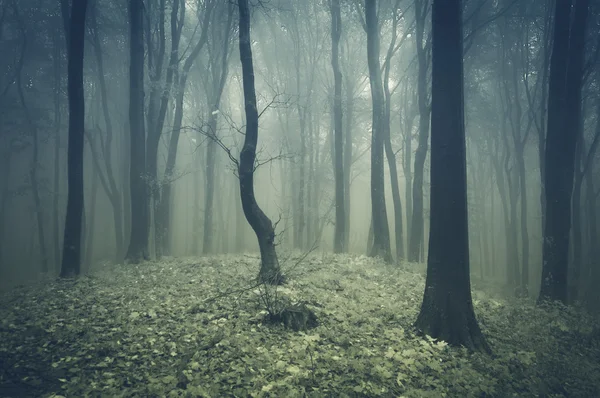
(348, 159)
(163, 208)
(592, 269)
(418, 222)
(576, 228)
(406, 167)
(33, 176)
(109, 181)
(381, 233)
(91, 221)
(219, 72)
(57, 141)
(270, 271)
(389, 152)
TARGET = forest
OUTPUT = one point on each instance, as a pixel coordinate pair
(310, 198)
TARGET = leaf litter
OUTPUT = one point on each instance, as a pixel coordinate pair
(195, 327)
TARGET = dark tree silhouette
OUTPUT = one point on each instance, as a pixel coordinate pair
(270, 271)
(71, 258)
(381, 232)
(447, 309)
(564, 122)
(417, 222)
(138, 244)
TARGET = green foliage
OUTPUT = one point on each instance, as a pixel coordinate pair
(194, 328)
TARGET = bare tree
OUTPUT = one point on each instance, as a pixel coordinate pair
(270, 271)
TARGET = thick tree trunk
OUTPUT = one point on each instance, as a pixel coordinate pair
(564, 118)
(339, 239)
(381, 232)
(138, 244)
(447, 310)
(270, 271)
(71, 258)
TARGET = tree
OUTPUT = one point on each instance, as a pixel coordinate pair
(564, 122)
(417, 224)
(105, 146)
(138, 244)
(217, 70)
(163, 209)
(389, 151)
(447, 310)
(381, 232)
(339, 240)
(71, 258)
(270, 271)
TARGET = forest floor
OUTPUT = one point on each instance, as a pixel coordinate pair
(195, 327)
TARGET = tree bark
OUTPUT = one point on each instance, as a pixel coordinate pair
(218, 75)
(564, 118)
(339, 239)
(447, 310)
(108, 180)
(163, 212)
(270, 271)
(57, 142)
(592, 269)
(71, 257)
(389, 152)
(381, 232)
(418, 223)
(90, 223)
(348, 157)
(138, 244)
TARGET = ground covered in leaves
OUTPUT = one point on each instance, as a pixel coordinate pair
(195, 328)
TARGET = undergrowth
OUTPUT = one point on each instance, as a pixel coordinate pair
(197, 328)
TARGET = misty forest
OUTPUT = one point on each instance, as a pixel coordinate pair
(310, 198)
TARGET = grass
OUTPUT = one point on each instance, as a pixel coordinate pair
(194, 328)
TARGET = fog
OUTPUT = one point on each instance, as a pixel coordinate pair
(506, 61)
(299, 198)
